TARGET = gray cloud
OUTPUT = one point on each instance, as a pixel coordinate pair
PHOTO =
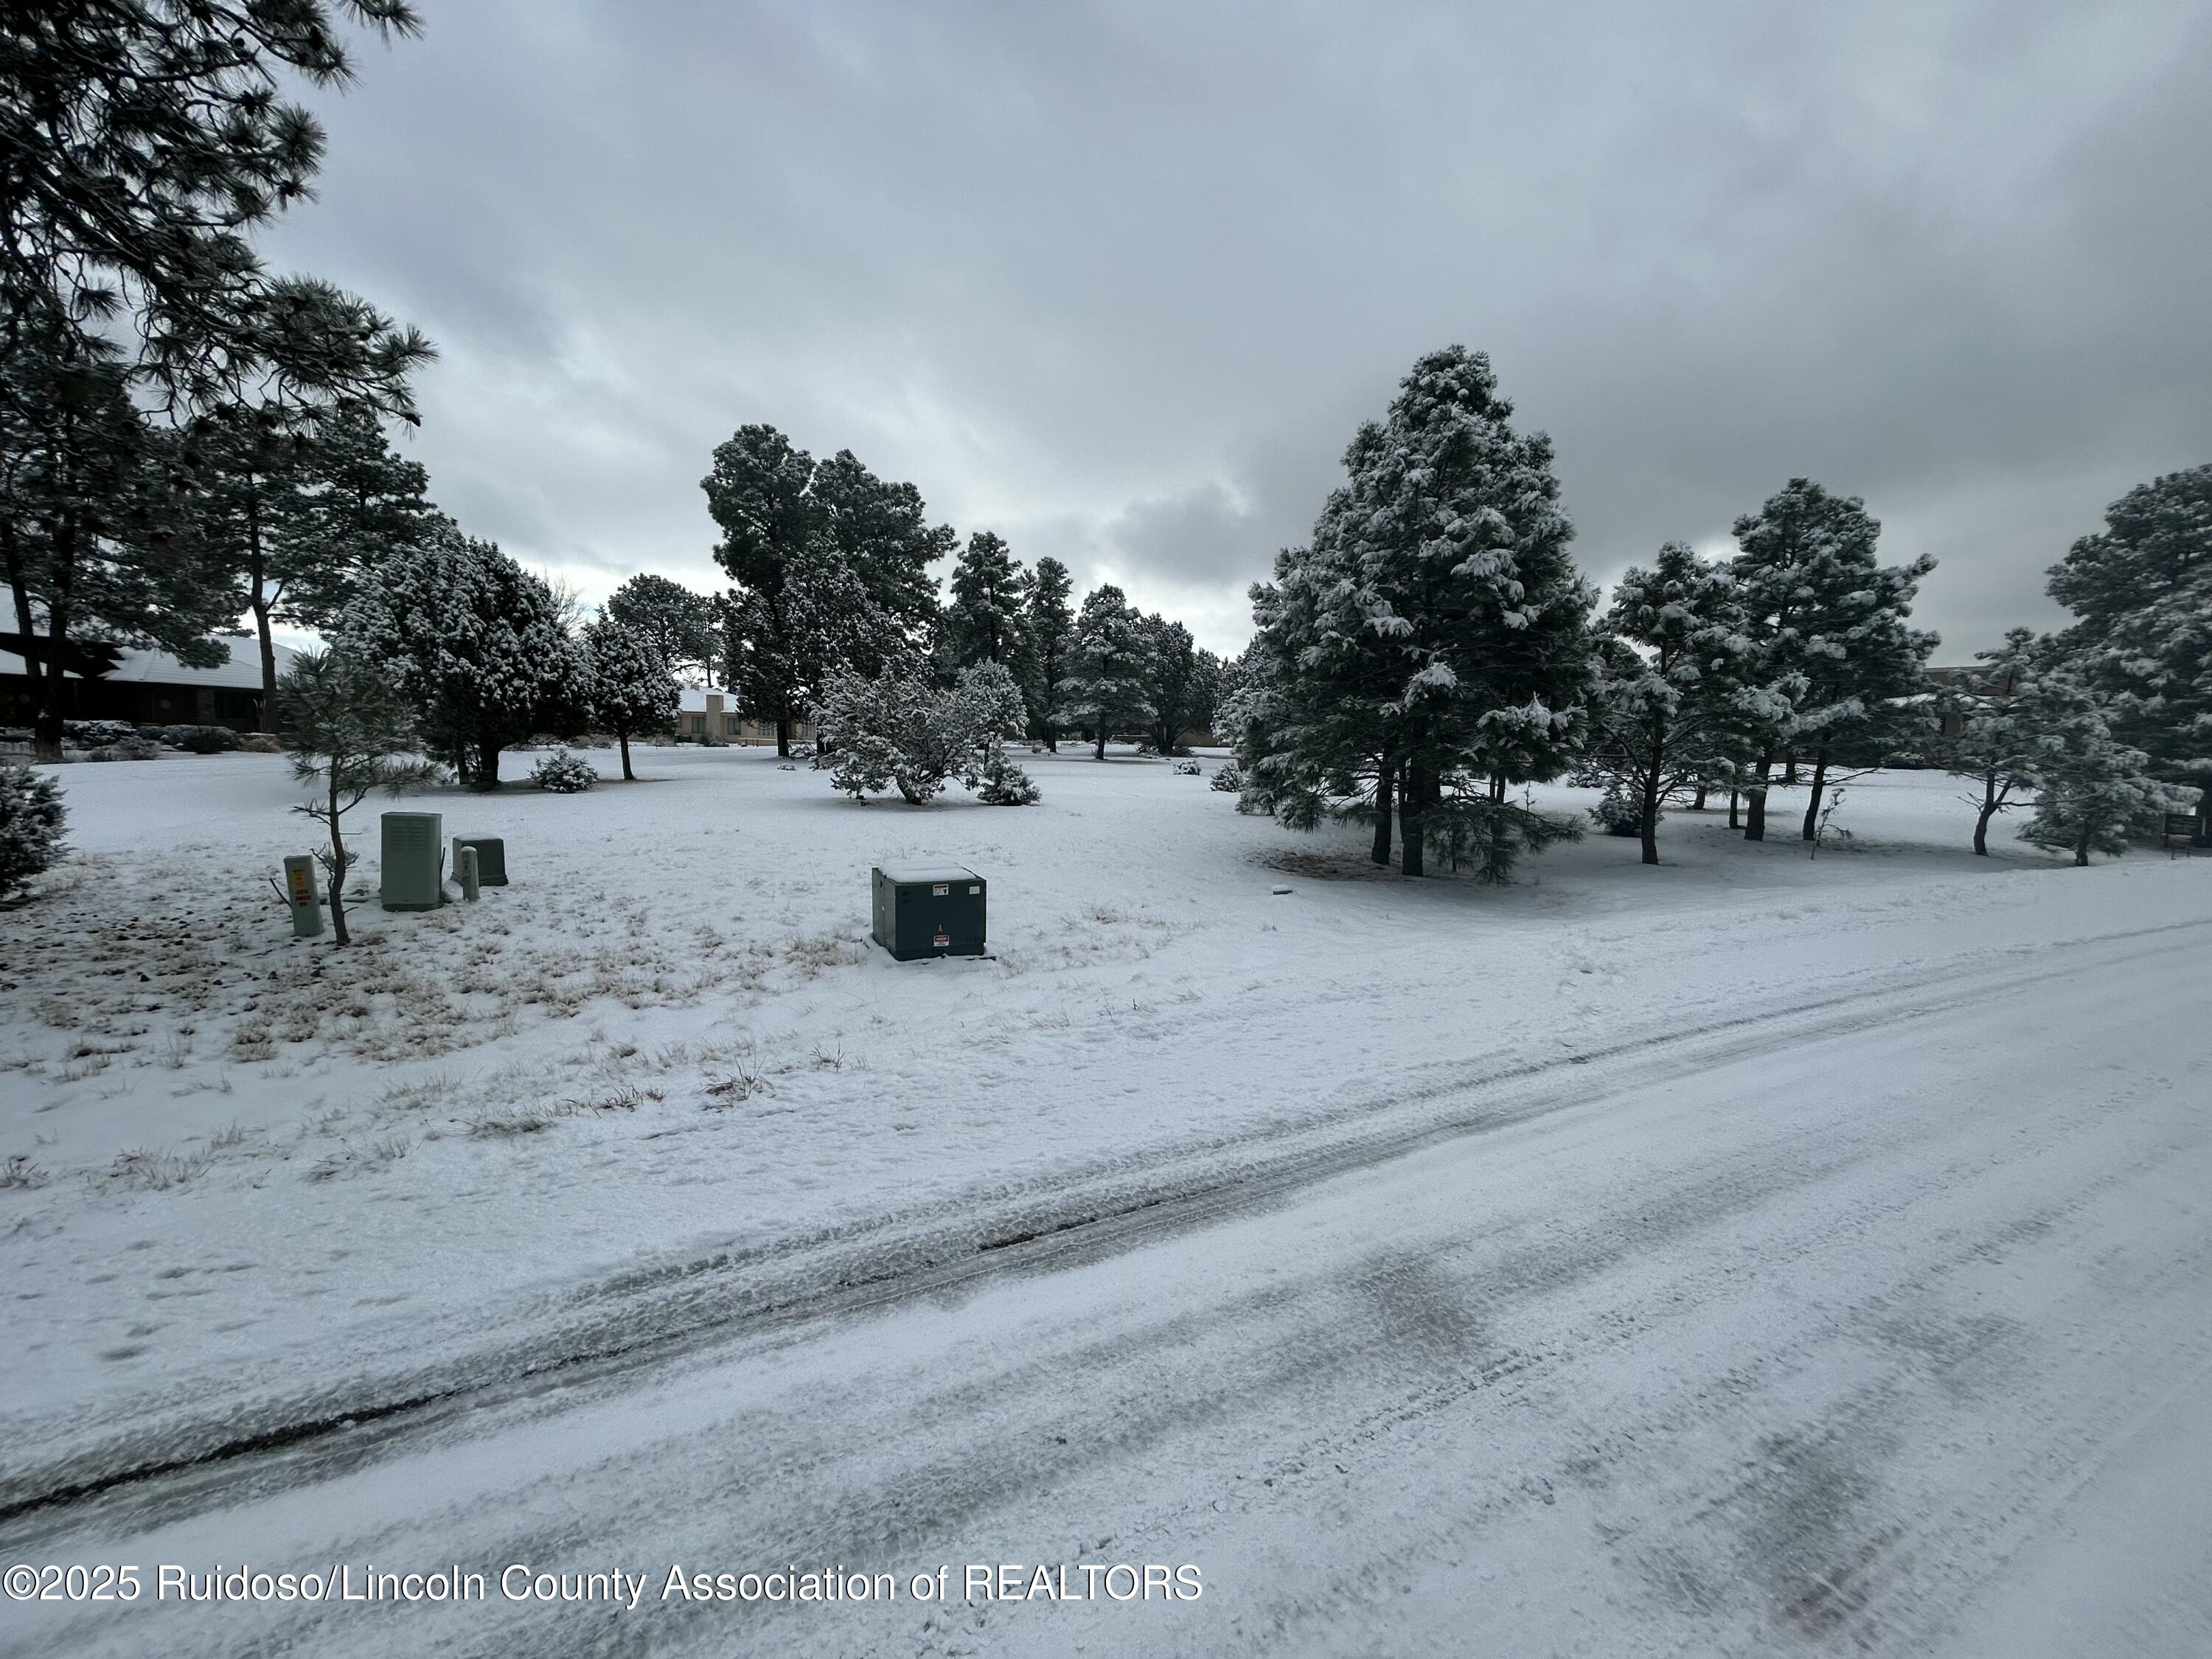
(1119, 280)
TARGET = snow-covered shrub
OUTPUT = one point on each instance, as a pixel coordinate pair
(1228, 778)
(31, 815)
(1004, 783)
(132, 748)
(1189, 769)
(202, 740)
(1617, 813)
(564, 773)
(898, 730)
(96, 734)
(262, 743)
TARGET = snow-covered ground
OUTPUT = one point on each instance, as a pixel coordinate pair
(1759, 1248)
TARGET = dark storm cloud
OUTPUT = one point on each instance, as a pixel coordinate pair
(1119, 281)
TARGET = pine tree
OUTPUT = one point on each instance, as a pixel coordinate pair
(898, 729)
(634, 691)
(1670, 679)
(350, 731)
(30, 819)
(94, 534)
(478, 647)
(1104, 687)
(984, 621)
(1432, 635)
(842, 535)
(1049, 627)
(1181, 682)
(2142, 589)
(680, 623)
(1821, 607)
(1998, 744)
(2093, 793)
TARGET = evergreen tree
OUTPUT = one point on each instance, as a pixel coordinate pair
(634, 691)
(478, 647)
(145, 140)
(898, 729)
(1049, 627)
(680, 623)
(93, 529)
(1180, 681)
(798, 537)
(2093, 793)
(1999, 742)
(1108, 669)
(1670, 676)
(31, 818)
(350, 731)
(1821, 607)
(1433, 634)
(2142, 589)
(984, 621)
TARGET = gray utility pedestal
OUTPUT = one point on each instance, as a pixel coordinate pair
(491, 857)
(929, 910)
(414, 874)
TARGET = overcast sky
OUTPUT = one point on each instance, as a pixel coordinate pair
(1119, 281)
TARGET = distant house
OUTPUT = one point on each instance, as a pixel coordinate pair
(708, 714)
(107, 682)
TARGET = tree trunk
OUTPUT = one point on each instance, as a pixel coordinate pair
(339, 865)
(1498, 787)
(1820, 788)
(622, 737)
(1754, 820)
(783, 737)
(1052, 738)
(1734, 799)
(1410, 801)
(2081, 843)
(1648, 825)
(1100, 753)
(1988, 811)
(483, 776)
(1698, 803)
(1790, 770)
(260, 600)
(268, 720)
(1381, 854)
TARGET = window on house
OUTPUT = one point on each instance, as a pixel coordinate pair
(730, 724)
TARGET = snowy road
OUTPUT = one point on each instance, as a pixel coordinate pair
(1882, 1326)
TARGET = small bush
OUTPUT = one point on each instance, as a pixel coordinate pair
(202, 739)
(1004, 783)
(31, 815)
(1189, 769)
(1228, 778)
(1617, 813)
(262, 743)
(96, 734)
(563, 774)
(129, 749)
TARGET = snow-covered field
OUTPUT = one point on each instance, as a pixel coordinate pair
(1420, 1258)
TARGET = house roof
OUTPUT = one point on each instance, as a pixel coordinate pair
(241, 673)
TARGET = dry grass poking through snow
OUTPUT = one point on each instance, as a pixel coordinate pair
(161, 962)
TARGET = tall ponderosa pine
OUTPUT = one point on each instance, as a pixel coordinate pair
(1104, 686)
(798, 537)
(1433, 635)
(1821, 606)
(634, 689)
(2142, 589)
(93, 527)
(680, 623)
(2093, 793)
(1999, 743)
(1671, 684)
(983, 621)
(145, 140)
(479, 646)
(1049, 625)
(1181, 682)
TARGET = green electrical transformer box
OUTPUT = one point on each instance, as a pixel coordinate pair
(929, 911)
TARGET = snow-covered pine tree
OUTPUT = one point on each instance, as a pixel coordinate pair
(898, 729)
(1822, 606)
(478, 646)
(31, 818)
(1998, 744)
(1049, 627)
(983, 620)
(1439, 576)
(1179, 681)
(1672, 660)
(634, 691)
(679, 622)
(2093, 793)
(1104, 686)
(2142, 589)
